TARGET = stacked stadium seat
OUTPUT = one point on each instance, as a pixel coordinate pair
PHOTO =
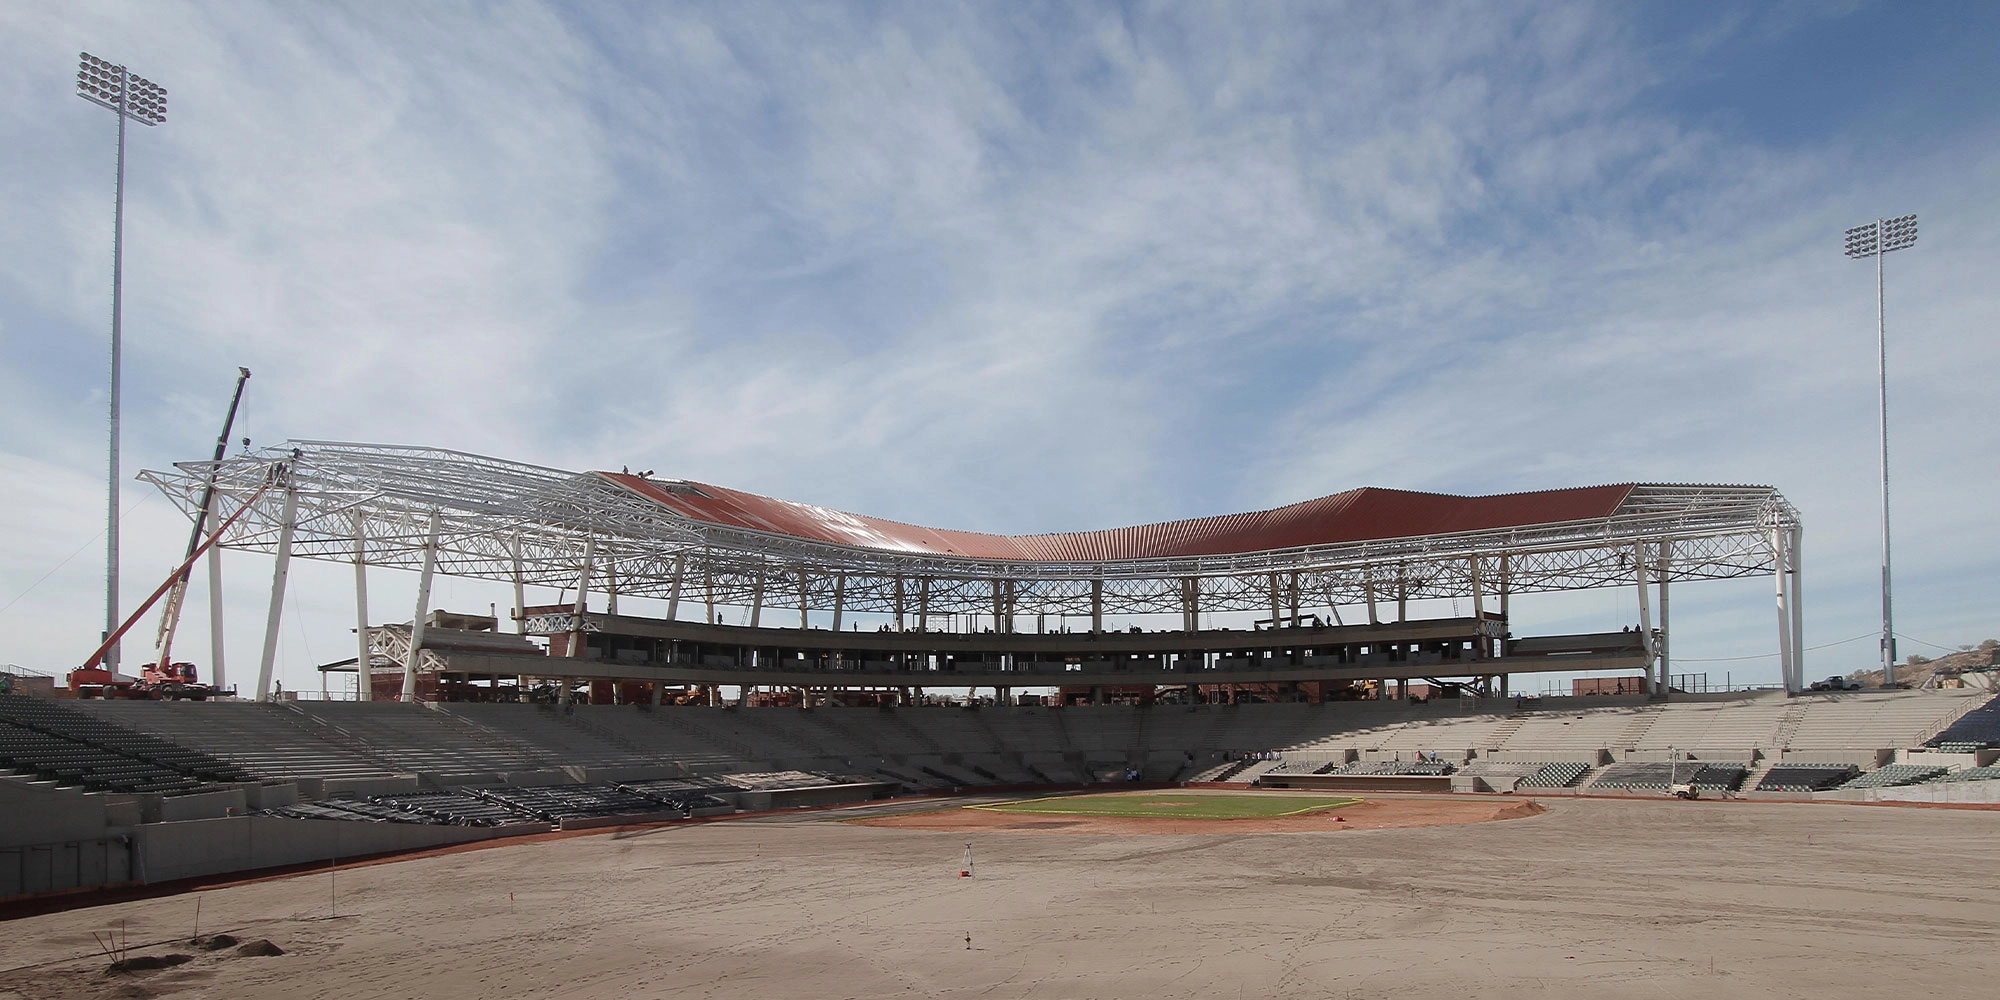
(1891, 775)
(1978, 729)
(1662, 776)
(1806, 777)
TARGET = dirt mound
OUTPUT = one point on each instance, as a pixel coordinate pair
(219, 942)
(260, 947)
(147, 963)
(1518, 810)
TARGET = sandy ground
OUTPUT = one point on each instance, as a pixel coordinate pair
(1385, 813)
(1594, 898)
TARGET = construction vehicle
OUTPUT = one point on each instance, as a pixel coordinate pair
(166, 678)
(177, 682)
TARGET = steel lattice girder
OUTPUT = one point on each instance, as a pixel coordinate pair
(501, 519)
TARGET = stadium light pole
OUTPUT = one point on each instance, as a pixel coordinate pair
(1877, 239)
(134, 98)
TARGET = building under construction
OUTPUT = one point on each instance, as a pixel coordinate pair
(767, 597)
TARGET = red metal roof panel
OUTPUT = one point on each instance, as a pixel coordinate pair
(1365, 514)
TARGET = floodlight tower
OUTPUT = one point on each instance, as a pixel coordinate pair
(1876, 239)
(138, 99)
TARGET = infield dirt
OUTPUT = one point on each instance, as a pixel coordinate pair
(1594, 898)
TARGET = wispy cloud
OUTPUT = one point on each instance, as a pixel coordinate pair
(1010, 268)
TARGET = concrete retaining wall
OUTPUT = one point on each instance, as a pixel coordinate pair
(33, 869)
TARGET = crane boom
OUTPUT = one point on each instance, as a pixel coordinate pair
(170, 616)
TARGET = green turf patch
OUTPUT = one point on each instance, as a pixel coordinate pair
(1170, 805)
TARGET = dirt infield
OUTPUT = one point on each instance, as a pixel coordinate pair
(1594, 898)
(1374, 813)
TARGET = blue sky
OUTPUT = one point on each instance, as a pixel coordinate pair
(1019, 267)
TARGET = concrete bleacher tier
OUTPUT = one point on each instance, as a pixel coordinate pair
(1978, 729)
(1547, 743)
(53, 741)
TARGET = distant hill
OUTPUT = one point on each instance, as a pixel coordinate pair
(1919, 669)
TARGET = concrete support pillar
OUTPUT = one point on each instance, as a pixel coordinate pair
(1506, 583)
(899, 604)
(610, 588)
(1276, 611)
(364, 679)
(839, 598)
(1368, 588)
(757, 600)
(420, 620)
(1190, 603)
(1000, 606)
(1402, 593)
(280, 569)
(1097, 605)
(1294, 593)
(924, 604)
(805, 597)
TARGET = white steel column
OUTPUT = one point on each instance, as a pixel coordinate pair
(520, 591)
(1798, 604)
(1666, 634)
(418, 623)
(1787, 667)
(364, 679)
(582, 606)
(610, 587)
(1645, 614)
(279, 570)
(215, 672)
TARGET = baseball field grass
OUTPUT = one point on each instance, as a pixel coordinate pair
(1174, 805)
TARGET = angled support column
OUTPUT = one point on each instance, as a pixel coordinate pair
(417, 623)
(757, 600)
(674, 594)
(280, 569)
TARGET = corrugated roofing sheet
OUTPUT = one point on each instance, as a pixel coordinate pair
(1362, 514)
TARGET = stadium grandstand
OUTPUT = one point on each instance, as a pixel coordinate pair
(585, 714)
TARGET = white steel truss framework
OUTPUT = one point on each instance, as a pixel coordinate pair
(532, 525)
